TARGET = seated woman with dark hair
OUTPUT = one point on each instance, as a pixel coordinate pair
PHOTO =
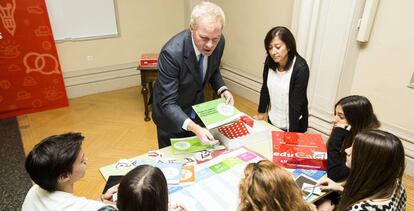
(55, 165)
(144, 188)
(352, 115)
(377, 162)
(266, 186)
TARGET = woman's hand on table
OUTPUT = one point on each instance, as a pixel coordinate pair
(107, 197)
(259, 116)
(329, 185)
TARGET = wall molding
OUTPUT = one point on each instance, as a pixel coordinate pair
(242, 83)
(101, 79)
(407, 137)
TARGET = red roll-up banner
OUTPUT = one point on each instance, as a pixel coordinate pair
(30, 74)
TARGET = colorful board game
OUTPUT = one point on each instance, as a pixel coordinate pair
(217, 182)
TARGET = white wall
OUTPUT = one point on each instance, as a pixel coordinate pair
(386, 63)
(325, 31)
(247, 23)
(384, 69)
(106, 64)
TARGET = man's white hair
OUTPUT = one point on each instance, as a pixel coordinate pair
(208, 10)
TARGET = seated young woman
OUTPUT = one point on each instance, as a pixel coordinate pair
(377, 162)
(145, 188)
(55, 165)
(352, 115)
(266, 186)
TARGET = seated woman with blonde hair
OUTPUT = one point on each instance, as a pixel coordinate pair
(267, 186)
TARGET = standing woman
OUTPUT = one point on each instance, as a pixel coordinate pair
(285, 81)
(352, 114)
(377, 163)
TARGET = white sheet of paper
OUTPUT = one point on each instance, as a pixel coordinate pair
(308, 188)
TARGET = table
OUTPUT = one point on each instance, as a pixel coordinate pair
(261, 145)
(148, 76)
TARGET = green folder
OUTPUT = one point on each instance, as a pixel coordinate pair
(187, 145)
(215, 113)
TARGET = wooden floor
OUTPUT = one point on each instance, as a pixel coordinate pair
(114, 127)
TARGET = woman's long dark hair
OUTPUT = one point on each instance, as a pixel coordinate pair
(359, 114)
(143, 188)
(287, 37)
(377, 164)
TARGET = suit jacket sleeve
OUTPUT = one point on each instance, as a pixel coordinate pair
(297, 93)
(337, 170)
(168, 77)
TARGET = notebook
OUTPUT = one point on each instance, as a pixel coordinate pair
(112, 180)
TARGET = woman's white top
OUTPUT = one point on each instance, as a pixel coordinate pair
(278, 83)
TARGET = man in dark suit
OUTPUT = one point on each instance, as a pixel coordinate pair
(186, 63)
